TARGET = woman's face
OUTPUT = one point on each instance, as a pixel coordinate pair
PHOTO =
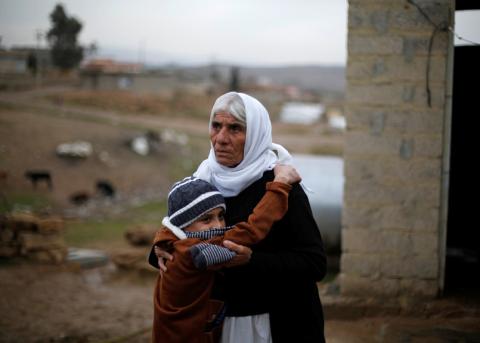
(227, 135)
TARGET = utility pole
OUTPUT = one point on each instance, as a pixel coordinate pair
(142, 55)
(38, 76)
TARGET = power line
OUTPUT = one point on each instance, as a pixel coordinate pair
(461, 38)
(436, 28)
(443, 27)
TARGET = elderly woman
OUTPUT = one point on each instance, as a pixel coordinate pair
(270, 291)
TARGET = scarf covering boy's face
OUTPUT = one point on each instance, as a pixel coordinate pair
(228, 136)
(212, 219)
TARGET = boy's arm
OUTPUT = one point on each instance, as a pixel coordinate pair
(270, 209)
(161, 240)
(206, 255)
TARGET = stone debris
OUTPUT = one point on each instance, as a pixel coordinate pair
(140, 145)
(172, 136)
(133, 259)
(87, 258)
(37, 238)
(141, 235)
(151, 141)
(78, 149)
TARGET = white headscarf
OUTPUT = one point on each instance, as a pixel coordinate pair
(260, 154)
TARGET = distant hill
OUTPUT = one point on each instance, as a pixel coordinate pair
(318, 78)
(321, 78)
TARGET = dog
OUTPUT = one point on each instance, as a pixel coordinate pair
(105, 188)
(79, 198)
(37, 176)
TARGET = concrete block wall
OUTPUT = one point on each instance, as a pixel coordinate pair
(394, 148)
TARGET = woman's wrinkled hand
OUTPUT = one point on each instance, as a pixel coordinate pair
(243, 254)
(162, 256)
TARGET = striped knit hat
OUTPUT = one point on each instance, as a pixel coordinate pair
(188, 200)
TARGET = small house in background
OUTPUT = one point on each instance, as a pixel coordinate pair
(109, 66)
(301, 112)
(13, 62)
(24, 60)
(107, 74)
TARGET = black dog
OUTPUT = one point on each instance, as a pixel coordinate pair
(36, 176)
(79, 198)
(105, 188)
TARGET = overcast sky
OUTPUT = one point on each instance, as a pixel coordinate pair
(199, 31)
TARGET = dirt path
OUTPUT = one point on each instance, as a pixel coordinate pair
(34, 101)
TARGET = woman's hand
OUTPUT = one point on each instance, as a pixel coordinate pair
(286, 174)
(243, 254)
(162, 257)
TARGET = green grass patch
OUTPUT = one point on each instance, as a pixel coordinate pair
(32, 202)
(84, 233)
(110, 231)
(151, 212)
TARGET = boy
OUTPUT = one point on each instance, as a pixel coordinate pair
(194, 230)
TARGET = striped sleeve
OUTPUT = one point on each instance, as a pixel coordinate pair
(205, 255)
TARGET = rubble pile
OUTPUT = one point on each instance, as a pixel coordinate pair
(132, 259)
(135, 257)
(141, 235)
(37, 238)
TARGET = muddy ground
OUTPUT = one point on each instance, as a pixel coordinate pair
(42, 303)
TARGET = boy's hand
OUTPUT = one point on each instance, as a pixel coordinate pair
(162, 257)
(286, 174)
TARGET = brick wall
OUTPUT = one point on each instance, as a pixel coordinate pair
(394, 152)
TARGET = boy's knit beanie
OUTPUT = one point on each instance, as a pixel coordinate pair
(188, 200)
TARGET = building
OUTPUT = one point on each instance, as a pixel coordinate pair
(106, 74)
(402, 228)
(16, 60)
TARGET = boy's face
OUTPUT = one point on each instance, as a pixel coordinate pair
(213, 219)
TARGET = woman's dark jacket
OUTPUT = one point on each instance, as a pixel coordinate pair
(283, 270)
